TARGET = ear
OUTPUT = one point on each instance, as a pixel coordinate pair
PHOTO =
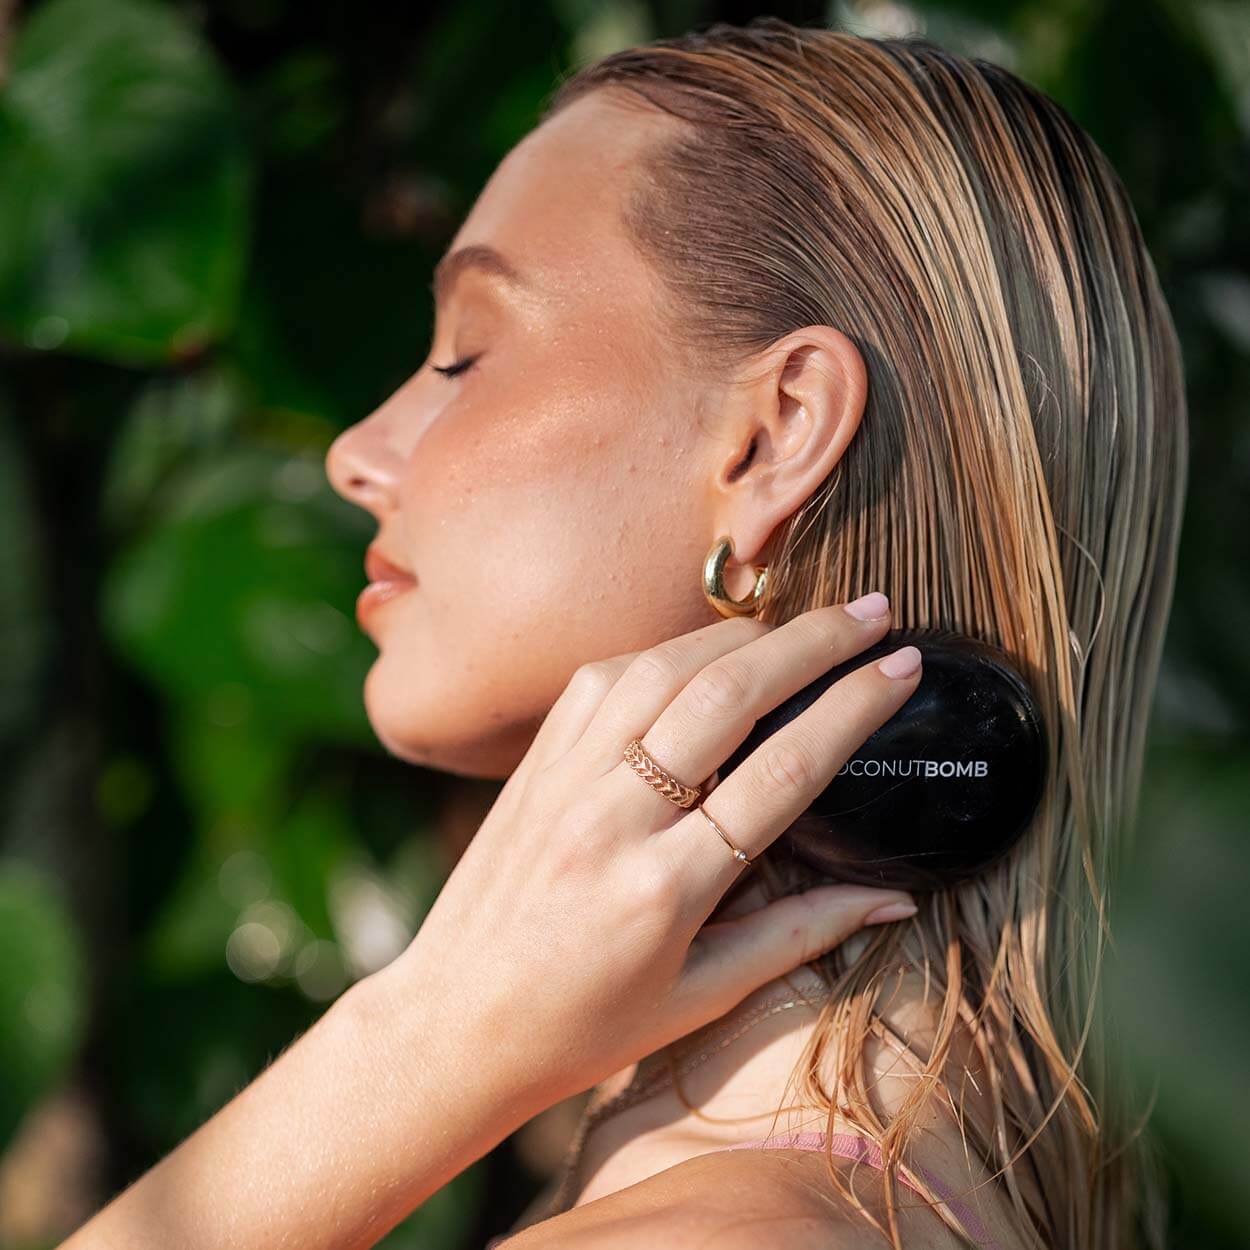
(786, 425)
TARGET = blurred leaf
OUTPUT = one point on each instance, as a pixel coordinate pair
(202, 1041)
(1136, 107)
(188, 938)
(306, 848)
(238, 779)
(233, 773)
(991, 12)
(174, 420)
(1181, 987)
(242, 603)
(231, 768)
(335, 338)
(239, 785)
(300, 101)
(514, 48)
(23, 623)
(122, 221)
(1225, 29)
(42, 985)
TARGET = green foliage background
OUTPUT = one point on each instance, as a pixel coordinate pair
(217, 224)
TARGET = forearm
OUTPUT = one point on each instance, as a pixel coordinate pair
(349, 1130)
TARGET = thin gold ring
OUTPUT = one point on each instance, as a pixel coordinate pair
(637, 757)
(738, 853)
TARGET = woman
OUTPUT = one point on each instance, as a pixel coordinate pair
(881, 318)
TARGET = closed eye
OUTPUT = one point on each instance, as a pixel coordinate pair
(451, 371)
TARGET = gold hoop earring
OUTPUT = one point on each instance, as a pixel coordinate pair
(714, 581)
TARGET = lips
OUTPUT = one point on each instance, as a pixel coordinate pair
(379, 569)
(386, 580)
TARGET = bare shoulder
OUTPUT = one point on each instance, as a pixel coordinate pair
(739, 1200)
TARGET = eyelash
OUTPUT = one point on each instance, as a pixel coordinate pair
(451, 371)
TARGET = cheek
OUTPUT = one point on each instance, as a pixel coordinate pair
(551, 502)
(543, 536)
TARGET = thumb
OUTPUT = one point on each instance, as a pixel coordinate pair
(730, 958)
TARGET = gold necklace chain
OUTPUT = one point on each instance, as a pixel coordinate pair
(651, 1076)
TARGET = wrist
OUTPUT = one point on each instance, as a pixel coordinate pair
(438, 1054)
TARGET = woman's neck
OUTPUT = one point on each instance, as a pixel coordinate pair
(735, 1091)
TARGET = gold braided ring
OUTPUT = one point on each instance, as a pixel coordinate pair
(738, 854)
(657, 778)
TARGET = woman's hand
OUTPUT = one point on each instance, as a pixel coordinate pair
(569, 940)
(565, 945)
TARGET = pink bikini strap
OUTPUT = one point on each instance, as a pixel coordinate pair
(852, 1146)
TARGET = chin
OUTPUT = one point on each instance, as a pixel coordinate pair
(438, 733)
(443, 757)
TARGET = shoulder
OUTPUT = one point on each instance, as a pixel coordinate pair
(739, 1200)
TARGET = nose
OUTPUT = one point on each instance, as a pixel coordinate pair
(363, 467)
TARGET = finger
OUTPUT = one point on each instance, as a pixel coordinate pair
(730, 958)
(580, 699)
(704, 718)
(764, 795)
(655, 677)
(589, 696)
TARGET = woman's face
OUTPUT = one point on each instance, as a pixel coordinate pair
(554, 502)
(546, 501)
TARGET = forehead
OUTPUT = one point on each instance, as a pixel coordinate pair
(553, 206)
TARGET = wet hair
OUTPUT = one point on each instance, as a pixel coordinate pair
(1018, 476)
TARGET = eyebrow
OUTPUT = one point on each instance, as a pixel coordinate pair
(476, 256)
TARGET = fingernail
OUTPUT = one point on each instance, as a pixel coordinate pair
(891, 911)
(869, 607)
(901, 663)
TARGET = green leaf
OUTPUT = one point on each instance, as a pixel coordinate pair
(125, 184)
(41, 990)
(242, 600)
(1177, 989)
(173, 421)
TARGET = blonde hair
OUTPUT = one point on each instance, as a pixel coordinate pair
(1018, 476)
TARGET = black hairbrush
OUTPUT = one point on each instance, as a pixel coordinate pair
(943, 789)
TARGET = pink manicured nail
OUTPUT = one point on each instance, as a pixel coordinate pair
(901, 663)
(891, 911)
(869, 607)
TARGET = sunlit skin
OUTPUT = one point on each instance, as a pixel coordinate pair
(556, 502)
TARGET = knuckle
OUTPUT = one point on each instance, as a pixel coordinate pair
(593, 678)
(787, 764)
(815, 627)
(571, 834)
(655, 889)
(862, 702)
(750, 627)
(721, 687)
(658, 666)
